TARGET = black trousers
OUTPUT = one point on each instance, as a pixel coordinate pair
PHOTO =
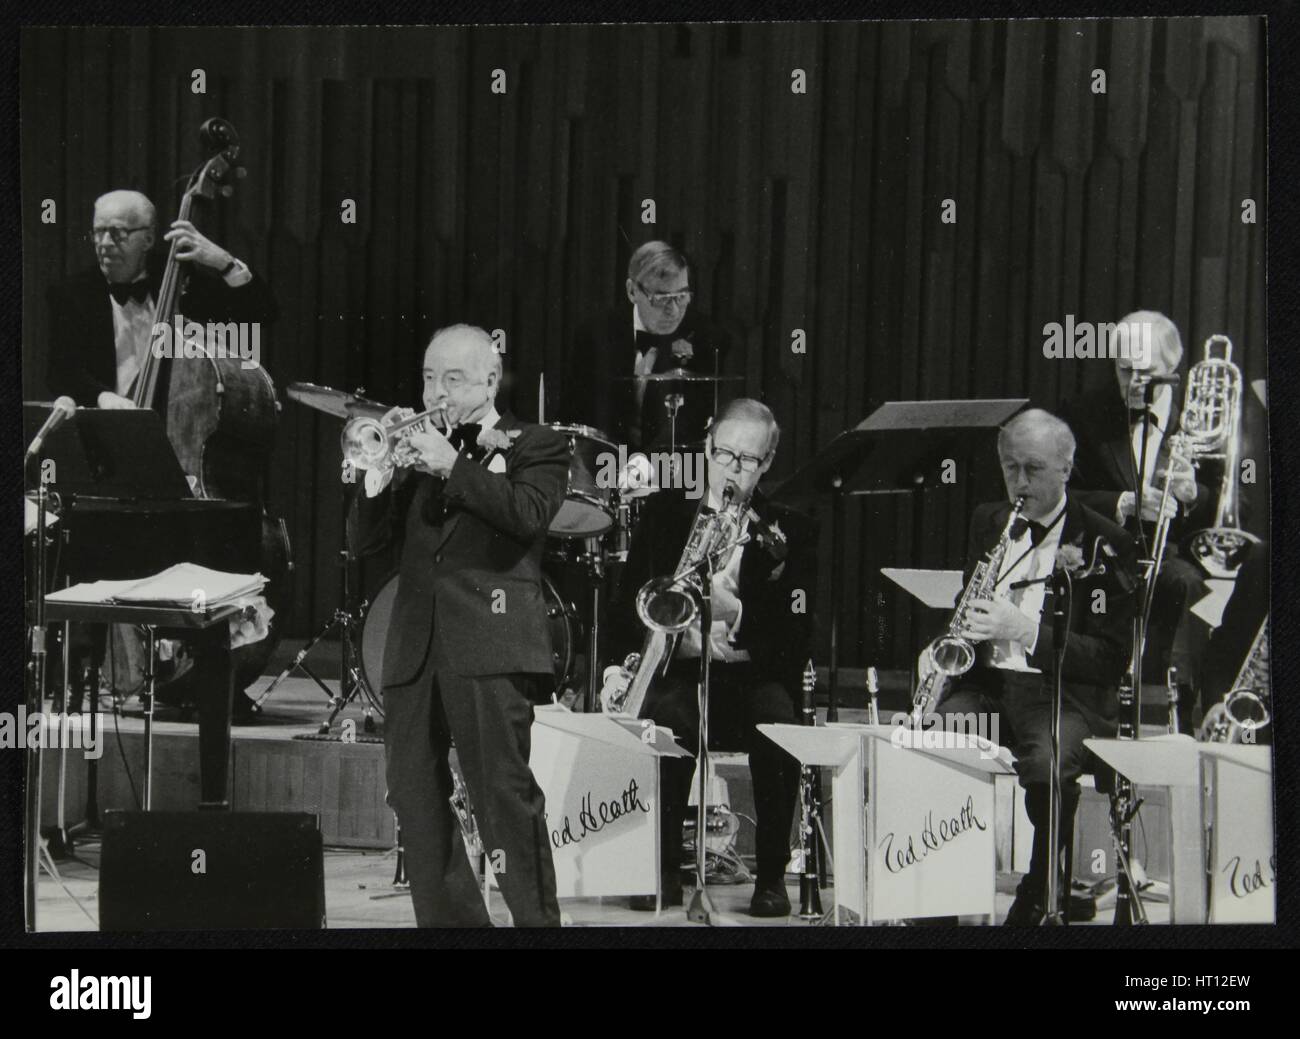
(490, 720)
(739, 699)
(1023, 703)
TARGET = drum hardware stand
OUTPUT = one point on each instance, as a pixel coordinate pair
(347, 619)
(596, 576)
(672, 404)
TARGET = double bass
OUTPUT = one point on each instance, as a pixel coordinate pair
(220, 414)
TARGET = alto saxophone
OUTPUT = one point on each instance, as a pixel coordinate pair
(1244, 709)
(669, 605)
(952, 654)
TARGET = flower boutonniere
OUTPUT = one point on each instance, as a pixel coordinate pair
(497, 440)
(683, 351)
(1069, 558)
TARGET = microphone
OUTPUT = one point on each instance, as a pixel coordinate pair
(1157, 380)
(64, 408)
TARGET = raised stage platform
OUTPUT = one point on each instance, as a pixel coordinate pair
(279, 763)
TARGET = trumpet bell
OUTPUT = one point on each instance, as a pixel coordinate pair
(365, 443)
(952, 655)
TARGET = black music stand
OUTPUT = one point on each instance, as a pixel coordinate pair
(110, 454)
(898, 449)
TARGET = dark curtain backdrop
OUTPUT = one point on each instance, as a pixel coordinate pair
(817, 211)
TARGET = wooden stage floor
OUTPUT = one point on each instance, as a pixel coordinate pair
(271, 770)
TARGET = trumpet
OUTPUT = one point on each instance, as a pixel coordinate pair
(370, 443)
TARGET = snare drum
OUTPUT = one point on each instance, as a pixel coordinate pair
(589, 509)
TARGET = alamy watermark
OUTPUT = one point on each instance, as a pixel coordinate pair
(48, 730)
(947, 731)
(1108, 340)
(236, 340)
(658, 470)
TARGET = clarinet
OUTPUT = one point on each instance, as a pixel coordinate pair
(810, 800)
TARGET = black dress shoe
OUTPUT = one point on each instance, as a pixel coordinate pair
(769, 899)
(243, 710)
(1027, 910)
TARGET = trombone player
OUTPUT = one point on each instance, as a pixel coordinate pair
(1014, 637)
(1110, 426)
(759, 642)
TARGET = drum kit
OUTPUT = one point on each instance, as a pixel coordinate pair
(588, 542)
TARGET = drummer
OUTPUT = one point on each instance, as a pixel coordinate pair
(656, 329)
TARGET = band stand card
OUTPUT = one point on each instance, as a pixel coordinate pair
(600, 775)
(1206, 781)
(110, 454)
(912, 818)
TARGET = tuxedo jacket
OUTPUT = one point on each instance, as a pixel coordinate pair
(776, 632)
(469, 585)
(82, 356)
(1098, 645)
(1104, 466)
(598, 392)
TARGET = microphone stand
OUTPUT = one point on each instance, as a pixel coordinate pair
(1061, 607)
(35, 701)
(701, 909)
(1124, 803)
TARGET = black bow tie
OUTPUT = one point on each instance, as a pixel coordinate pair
(1036, 531)
(466, 433)
(136, 290)
(1135, 416)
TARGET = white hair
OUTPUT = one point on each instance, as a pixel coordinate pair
(140, 203)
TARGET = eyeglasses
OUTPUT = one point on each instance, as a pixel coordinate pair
(663, 300)
(726, 459)
(118, 234)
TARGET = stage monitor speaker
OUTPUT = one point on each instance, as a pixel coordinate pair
(180, 871)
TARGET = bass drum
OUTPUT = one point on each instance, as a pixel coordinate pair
(560, 618)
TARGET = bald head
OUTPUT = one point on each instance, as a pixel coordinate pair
(122, 233)
(1036, 452)
(462, 370)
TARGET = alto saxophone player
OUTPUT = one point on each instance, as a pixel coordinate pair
(760, 640)
(469, 651)
(1015, 639)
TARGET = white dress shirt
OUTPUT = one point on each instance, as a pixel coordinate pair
(133, 328)
(1160, 407)
(1025, 561)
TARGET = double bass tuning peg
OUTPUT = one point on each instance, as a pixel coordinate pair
(227, 191)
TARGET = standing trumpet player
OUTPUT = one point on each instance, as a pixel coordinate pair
(469, 651)
(1015, 640)
(760, 638)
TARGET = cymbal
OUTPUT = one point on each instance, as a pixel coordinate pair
(338, 403)
(681, 375)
